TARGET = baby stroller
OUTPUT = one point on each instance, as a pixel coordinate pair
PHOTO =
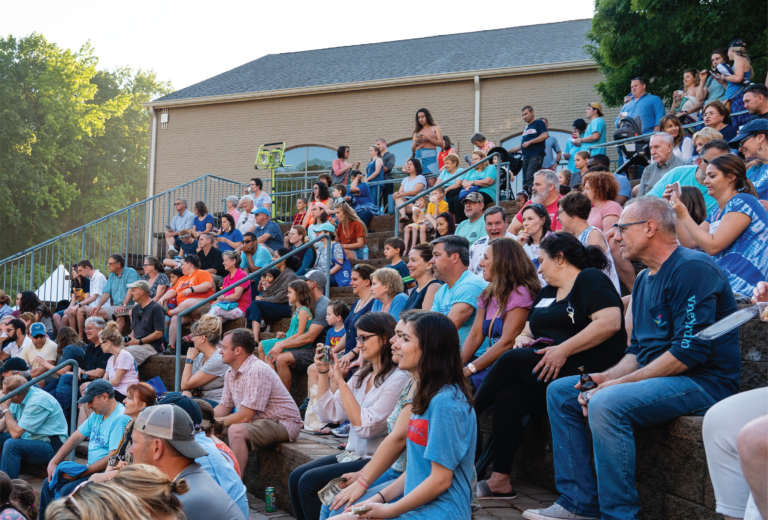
(509, 165)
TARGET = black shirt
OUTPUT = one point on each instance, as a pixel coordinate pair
(592, 291)
(213, 260)
(95, 358)
(147, 320)
(759, 116)
(416, 298)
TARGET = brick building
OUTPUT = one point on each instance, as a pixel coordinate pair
(318, 100)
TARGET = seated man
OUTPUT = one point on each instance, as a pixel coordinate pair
(253, 257)
(164, 437)
(210, 257)
(266, 413)
(33, 427)
(41, 346)
(115, 298)
(267, 231)
(184, 219)
(666, 372)
(104, 430)
(147, 322)
(17, 339)
(495, 227)
(474, 227)
(15, 367)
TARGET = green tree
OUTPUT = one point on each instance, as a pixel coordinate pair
(659, 39)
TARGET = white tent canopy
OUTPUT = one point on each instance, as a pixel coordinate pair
(56, 287)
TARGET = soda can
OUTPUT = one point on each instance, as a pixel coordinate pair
(270, 500)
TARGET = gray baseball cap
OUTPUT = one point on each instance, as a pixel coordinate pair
(139, 284)
(314, 276)
(172, 423)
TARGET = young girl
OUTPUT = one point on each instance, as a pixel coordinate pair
(121, 367)
(522, 196)
(174, 276)
(419, 224)
(301, 210)
(437, 205)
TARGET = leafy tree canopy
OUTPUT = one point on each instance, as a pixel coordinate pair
(659, 39)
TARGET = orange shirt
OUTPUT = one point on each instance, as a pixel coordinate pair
(196, 278)
(355, 230)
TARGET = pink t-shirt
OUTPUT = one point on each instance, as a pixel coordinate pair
(596, 216)
(125, 362)
(521, 297)
(245, 298)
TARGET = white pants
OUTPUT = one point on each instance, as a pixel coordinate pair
(226, 315)
(721, 427)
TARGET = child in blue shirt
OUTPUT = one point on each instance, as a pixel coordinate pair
(337, 313)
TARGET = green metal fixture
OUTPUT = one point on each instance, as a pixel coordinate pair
(271, 160)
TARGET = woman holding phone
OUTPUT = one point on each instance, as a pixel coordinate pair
(576, 320)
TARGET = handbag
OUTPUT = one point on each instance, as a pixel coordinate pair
(344, 275)
(463, 193)
(312, 422)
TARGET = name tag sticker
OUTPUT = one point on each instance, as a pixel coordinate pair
(545, 302)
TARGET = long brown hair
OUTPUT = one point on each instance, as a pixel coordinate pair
(672, 118)
(303, 295)
(67, 336)
(383, 325)
(440, 364)
(510, 269)
(732, 166)
(349, 216)
(430, 121)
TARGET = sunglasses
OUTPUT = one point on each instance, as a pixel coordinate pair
(247, 241)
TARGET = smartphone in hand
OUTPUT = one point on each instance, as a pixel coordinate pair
(675, 188)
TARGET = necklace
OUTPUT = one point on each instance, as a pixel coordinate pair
(362, 303)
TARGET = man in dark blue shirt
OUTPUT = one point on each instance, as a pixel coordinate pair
(533, 146)
(267, 231)
(667, 372)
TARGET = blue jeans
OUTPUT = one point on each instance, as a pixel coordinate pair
(613, 413)
(63, 393)
(260, 310)
(14, 450)
(47, 494)
(306, 480)
(380, 483)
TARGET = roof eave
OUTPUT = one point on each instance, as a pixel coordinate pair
(381, 83)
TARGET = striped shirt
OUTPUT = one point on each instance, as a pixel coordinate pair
(256, 386)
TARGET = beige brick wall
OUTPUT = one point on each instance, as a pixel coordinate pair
(222, 139)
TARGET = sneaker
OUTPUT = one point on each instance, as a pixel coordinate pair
(173, 249)
(341, 431)
(554, 511)
(304, 405)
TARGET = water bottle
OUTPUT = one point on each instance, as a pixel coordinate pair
(381, 209)
(365, 252)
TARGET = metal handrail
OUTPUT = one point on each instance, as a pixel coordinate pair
(185, 312)
(646, 136)
(439, 184)
(28, 384)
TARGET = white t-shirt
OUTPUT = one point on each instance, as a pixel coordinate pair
(409, 184)
(477, 251)
(98, 282)
(246, 222)
(13, 349)
(125, 362)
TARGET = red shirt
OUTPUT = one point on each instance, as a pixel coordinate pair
(551, 209)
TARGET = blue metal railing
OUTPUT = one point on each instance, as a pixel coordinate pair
(185, 312)
(73, 411)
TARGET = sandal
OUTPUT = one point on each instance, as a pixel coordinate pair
(484, 492)
(326, 430)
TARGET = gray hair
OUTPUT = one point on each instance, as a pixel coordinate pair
(550, 178)
(232, 200)
(96, 321)
(247, 197)
(477, 137)
(231, 254)
(653, 208)
(183, 201)
(665, 137)
(454, 244)
(493, 210)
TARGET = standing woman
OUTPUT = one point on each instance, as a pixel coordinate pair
(423, 294)
(204, 371)
(742, 70)
(121, 367)
(426, 138)
(537, 225)
(453, 188)
(580, 163)
(365, 401)
(374, 171)
(442, 433)
(512, 280)
(234, 303)
(155, 276)
(585, 320)
(204, 221)
(320, 194)
(735, 235)
(387, 288)
(297, 237)
(230, 237)
(410, 187)
(683, 145)
(350, 231)
(602, 190)
(340, 168)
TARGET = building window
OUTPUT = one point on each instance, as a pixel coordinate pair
(308, 160)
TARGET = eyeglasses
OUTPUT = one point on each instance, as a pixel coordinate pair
(362, 339)
(620, 228)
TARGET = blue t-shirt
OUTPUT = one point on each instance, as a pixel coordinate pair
(271, 228)
(687, 177)
(75, 352)
(687, 294)
(489, 172)
(105, 433)
(467, 289)
(200, 224)
(401, 268)
(551, 147)
(596, 125)
(189, 249)
(745, 261)
(333, 336)
(398, 302)
(222, 472)
(625, 187)
(262, 258)
(445, 433)
(235, 236)
(571, 149)
(650, 108)
(365, 195)
(758, 174)
(531, 132)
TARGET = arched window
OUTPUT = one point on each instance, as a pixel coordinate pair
(306, 159)
(303, 165)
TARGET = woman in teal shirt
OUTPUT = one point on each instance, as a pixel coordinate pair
(483, 180)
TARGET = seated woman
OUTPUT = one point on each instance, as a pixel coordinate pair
(683, 146)
(80, 289)
(423, 294)
(204, 221)
(121, 367)
(577, 293)
(753, 143)
(154, 275)
(573, 214)
(350, 231)
(321, 196)
(232, 201)
(387, 288)
(272, 305)
(437, 483)
(233, 303)
(735, 235)
(482, 178)
(366, 401)
(602, 190)
(300, 300)
(320, 220)
(204, 371)
(537, 225)
(580, 162)
(411, 186)
(229, 237)
(340, 266)
(297, 237)
(511, 279)
(359, 196)
(717, 116)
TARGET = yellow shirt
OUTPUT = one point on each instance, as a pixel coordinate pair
(442, 208)
(30, 353)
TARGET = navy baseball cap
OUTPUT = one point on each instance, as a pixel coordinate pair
(185, 403)
(14, 363)
(37, 329)
(756, 126)
(98, 387)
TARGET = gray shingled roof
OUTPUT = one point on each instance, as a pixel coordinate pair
(482, 50)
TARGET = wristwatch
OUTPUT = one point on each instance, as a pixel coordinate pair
(188, 361)
(141, 342)
(472, 368)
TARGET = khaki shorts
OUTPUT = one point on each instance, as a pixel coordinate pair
(141, 353)
(266, 432)
(110, 310)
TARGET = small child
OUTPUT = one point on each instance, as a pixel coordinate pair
(267, 279)
(337, 255)
(301, 211)
(437, 206)
(393, 251)
(337, 313)
(300, 300)
(521, 199)
(174, 278)
(418, 225)
(338, 193)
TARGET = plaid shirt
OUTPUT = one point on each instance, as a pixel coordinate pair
(256, 386)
